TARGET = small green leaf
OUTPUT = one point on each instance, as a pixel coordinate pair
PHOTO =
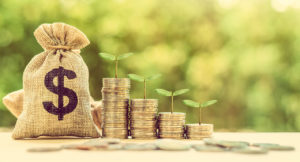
(136, 77)
(191, 103)
(180, 92)
(163, 92)
(107, 56)
(208, 103)
(124, 56)
(153, 77)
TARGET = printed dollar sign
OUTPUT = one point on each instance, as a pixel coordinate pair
(61, 91)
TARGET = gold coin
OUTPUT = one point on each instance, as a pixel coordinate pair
(208, 133)
(121, 103)
(171, 116)
(145, 118)
(144, 113)
(133, 133)
(144, 138)
(145, 125)
(118, 130)
(167, 129)
(147, 129)
(116, 111)
(125, 136)
(115, 125)
(173, 135)
(144, 102)
(114, 89)
(169, 132)
(170, 123)
(123, 122)
(144, 109)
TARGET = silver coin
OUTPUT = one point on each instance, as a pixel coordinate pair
(172, 145)
(250, 150)
(273, 146)
(44, 149)
(206, 148)
(139, 147)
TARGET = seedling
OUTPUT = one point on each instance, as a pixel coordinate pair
(143, 79)
(199, 106)
(115, 58)
(172, 94)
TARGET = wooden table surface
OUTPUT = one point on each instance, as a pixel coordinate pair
(15, 151)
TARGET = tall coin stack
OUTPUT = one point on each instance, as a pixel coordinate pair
(115, 100)
(171, 125)
(143, 118)
(199, 131)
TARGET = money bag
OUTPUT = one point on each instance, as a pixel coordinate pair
(56, 89)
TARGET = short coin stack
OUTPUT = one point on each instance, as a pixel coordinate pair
(115, 100)
(171, 125)
(143, 118)
(199, 131)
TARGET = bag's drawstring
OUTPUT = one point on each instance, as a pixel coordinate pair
(60, 47)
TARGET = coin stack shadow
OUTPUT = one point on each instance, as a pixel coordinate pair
(115, 100)
(199, 131)
(171, 125)
(143, 118)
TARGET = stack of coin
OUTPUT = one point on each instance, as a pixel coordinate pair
(115, 101)
(171, 125)
(143, 118)
(199, 131)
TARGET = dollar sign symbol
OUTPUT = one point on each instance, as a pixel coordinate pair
(61, 91)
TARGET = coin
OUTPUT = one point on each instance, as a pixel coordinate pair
(104, 140)
(226, 144)
(70, 146)
(139, 147)
(143, 118)
(144, 109)
(272, 146)
(172, 145)
(177, 129)
(171, 125)
(145, 137)
(146, 118)
(114, 135)
(142, 134)
(171, 116)
(199, 127)
(206, 148)
(199, 131)
(250, 150)
(115, 100)
(114, 125)
(44, 149)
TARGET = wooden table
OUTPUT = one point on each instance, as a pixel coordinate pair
(15, 151)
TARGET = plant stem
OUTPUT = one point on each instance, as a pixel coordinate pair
(200, 109)
(144, 88)
(172, 106)
(116, 70)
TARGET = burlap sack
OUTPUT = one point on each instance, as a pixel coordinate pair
(56, 91)
(14, 103)
(97, 114)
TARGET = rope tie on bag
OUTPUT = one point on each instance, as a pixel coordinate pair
(60, 47)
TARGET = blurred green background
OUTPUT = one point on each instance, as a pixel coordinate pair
(246, 54)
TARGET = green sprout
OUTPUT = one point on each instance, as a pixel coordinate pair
(143, 79)
(199, 106)
(115, 58)
(172, 94)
